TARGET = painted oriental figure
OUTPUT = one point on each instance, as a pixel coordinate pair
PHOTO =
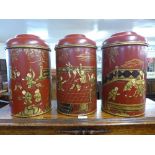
(76, 75)
(29, 75)
(124, 74)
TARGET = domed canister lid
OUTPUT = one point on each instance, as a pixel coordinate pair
(26, 41)
(75, 40)
(125, 38)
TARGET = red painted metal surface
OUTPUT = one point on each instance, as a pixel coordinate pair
(29, 75)
(76, 75)
(124, 74)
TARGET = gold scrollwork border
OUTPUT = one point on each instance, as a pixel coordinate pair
(125, 43)
(75, 45)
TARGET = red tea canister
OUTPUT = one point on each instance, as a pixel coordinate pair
(124, 74)
(29, 75)
(76, 75)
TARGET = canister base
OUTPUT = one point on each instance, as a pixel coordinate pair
(19, 116)
(75, 115)
(121, 115)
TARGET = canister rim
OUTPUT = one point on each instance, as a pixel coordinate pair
(75, 45)
(125, 43)
(29, 46)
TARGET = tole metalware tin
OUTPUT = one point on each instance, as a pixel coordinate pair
(29, 75)
(124, 74)
(76, 75)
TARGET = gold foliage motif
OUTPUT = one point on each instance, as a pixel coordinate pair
(76, 79)
(138, 84)
(44, 73)
(37, 95)
(32, 99)
(69, 69)
(61, 81)
(129, 72)
(81, 72)
(32, 81)
(14, 73)
(75, 86)
(83, 107)
(30, 108)
(27, 96)
(30, 78)
(113, 93)
(30, 111)
(78, 74)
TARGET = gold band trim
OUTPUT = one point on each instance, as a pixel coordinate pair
(133, 107)
(75, 45)
(122, 115)
(85, 67)
(124, 43)
(63, 69)
(29, 46)
(76, 115)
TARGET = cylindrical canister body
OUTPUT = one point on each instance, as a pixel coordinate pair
(124, 74)
(76, 75)
(29, 75)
